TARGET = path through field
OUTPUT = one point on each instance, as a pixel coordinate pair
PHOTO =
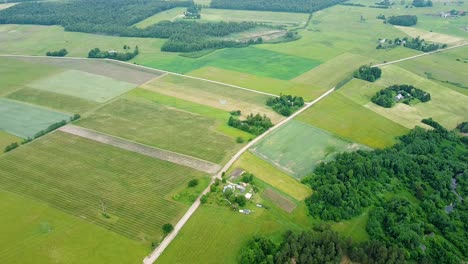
(191, 162)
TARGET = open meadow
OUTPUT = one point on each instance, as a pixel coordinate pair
(125, 192)
(346, 118)
(34, 231)
(297, 148)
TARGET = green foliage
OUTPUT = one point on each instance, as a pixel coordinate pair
(59, 53)
(193, 12)
(254, 124)
(403, 20)
(240, 140)
(368, 73)
(298, 6)
(167, 228)
(463, 127)
(241, 200)
(425, 162)
(193, 183)
(422, 3)
(235, 112)
(203, 199)
(387, 97)
(10, 147)
(97, 53)
(412, 43)
(247, 177)
(285, 104)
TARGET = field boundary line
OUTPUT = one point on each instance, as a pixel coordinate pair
(150, 151)
(168, 239)
(420, 55)
(144, 67)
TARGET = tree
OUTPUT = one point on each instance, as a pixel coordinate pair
(193, 183)
(167, 228)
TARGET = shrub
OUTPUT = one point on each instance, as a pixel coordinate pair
(12, 146)
(239, 140)
(193, 183)
(167, 228)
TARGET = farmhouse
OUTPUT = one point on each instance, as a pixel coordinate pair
(248, 196)
(399, 97)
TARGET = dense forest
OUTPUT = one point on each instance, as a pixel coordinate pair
(297, 6)
(404, 20)
(253, 124)
(415, 192)
(100, 17)
(406, 94)
(318, 246)
(285, 104)
(368, 73)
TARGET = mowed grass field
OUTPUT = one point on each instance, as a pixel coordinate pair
(25, 120)
(35, 232)
(82, 85)
(6, 139)
(181, 126)
(16, 74)
(264, 84)
(168, 15)
(346, 118)
(213, 95)
(447, 106)
(80, 176)
(297, 148)
(272, 176)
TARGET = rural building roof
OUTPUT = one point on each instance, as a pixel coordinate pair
(248, 196)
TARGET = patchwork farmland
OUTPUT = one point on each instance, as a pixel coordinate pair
(146, 164)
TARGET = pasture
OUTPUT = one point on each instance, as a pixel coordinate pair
(272, 176)
(112, 188)
(6, 139)
(52, 100)
(214, 95)
(273, 18)
(33, 231)
(346, 118)
(167, 15)
(16, 74)
(145, 121)
(447, 107)
(83, 85)
(297, 148)
(263, 84)
(25, 120)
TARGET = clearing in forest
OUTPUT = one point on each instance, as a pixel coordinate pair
(25, 120)
(297, 148)
(122, 191)
(83, 85)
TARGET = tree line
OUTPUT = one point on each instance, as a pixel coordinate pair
(297, 6)
(387, 97)
(57, 53)
(285, 105)
(429, 165)
(412, 43)
(403, 20)
(122, 56)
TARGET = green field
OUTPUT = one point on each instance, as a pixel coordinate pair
(6, 139)
(80, 176)
(56, 101)
(213, 95)
(264, 84)
(142, 118)
(297, 148)
(83, 85)
(33, 231)
(25, 120)
(16, 74)
(348, 119)
(168, 15)
(272, 176)
(354, 228)
(447, 107)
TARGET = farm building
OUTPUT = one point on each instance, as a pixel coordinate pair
(399, 97)
(248, 196)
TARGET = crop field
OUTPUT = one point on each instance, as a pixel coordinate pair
(56, 101)
(432, 36)
(213, 95)
(166, 127)
(346, 118)
(81, 177)
(6, 139)
(297, 148)
(167, 15)
(447, 107)
(264, 84)
(16, 74)
(25, 120)
(280, 200)
(34, 231)
(272, 176)
(83, 85)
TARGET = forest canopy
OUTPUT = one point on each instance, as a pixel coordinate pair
(297, 6)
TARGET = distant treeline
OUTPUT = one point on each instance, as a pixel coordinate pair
(412, 43)
(100, 17)
(297, 6)
(121, 56)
